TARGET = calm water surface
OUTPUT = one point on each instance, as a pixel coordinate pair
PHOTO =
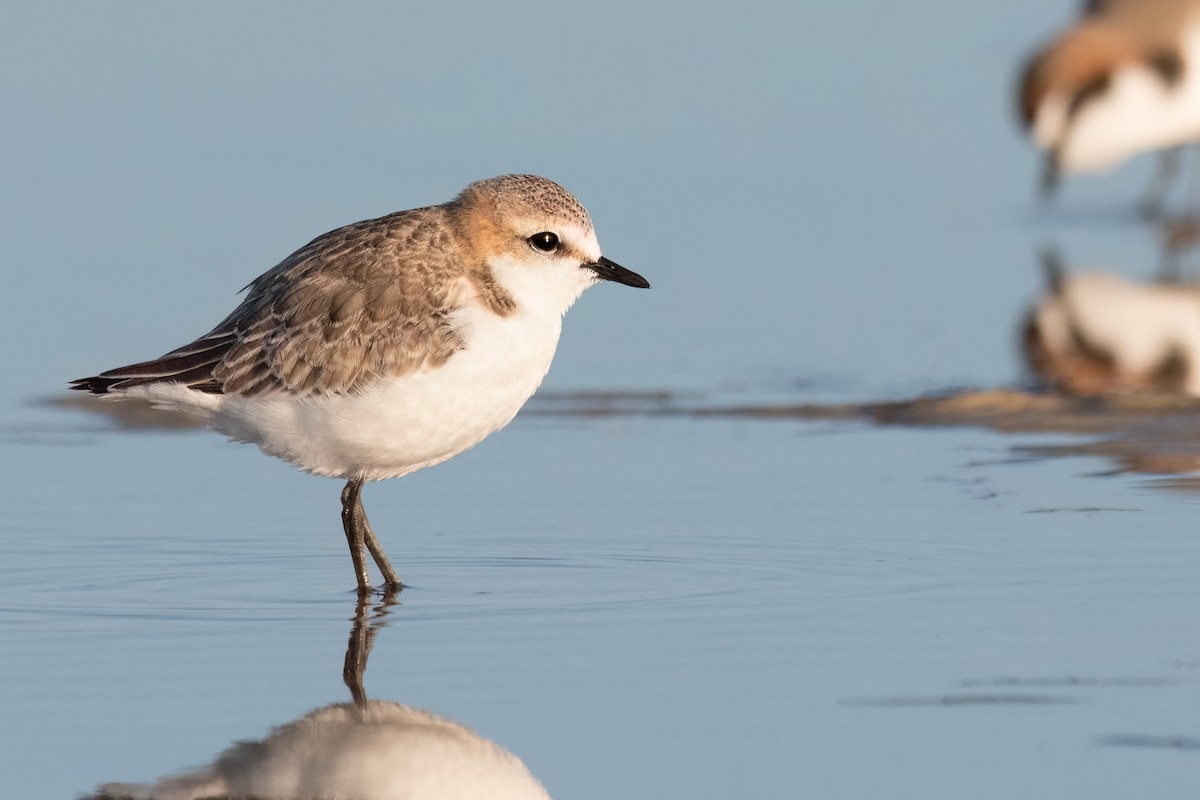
(830, 202)
(781, 609)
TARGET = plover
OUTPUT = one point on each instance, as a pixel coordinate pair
(1121, 81)
(392, 344)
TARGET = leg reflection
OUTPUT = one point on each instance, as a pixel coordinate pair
(368, 618)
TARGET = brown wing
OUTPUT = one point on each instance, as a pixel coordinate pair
(363, 302)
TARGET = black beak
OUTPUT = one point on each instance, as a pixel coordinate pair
(612, 271)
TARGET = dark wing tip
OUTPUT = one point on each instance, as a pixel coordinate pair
(193, 365)
(95, 384)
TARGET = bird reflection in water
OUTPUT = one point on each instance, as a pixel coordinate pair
(1096, 332)
(366, 749)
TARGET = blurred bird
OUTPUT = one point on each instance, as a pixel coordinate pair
(380, 751)
(1121, 81)
(389, 345)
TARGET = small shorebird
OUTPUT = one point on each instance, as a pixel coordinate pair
(1121, 81)
(391, 344)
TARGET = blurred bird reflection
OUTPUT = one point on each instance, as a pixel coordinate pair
(366, 749)
(1096, 333)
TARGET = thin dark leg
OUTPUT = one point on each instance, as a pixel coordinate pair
(1178, 236)
(391, 581)
(1193, 207)
(1154, 198)
(1050, 176)
(351, 513)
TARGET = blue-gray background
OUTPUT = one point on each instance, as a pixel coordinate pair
(831, 200)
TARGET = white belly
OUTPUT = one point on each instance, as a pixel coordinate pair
(400, 425)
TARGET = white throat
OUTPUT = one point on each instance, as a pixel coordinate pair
(547, 288)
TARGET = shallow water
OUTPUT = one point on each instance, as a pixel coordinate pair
(774, 608)
(637, 604)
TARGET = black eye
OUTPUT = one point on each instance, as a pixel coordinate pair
(545, 241)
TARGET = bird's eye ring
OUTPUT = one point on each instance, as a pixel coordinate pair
(545, 241)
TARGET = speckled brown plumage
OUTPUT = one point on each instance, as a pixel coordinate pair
(367, 301)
